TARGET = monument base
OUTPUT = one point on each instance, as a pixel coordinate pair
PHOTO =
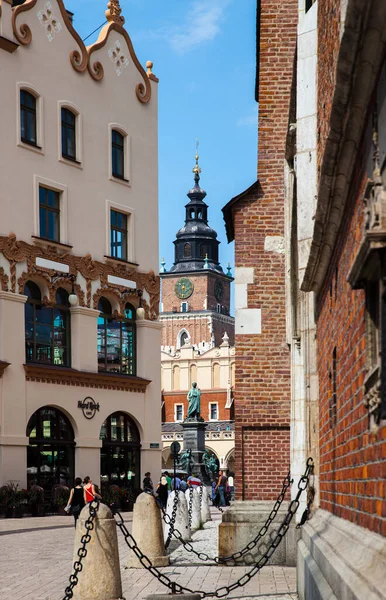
(194, 440)
(241, 524)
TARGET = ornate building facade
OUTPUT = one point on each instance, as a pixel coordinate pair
(198, 333)
(79, 387)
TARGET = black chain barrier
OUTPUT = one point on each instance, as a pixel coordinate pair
(190, 507)
(236, 555)
(82, 552)
(201, 492)
(172, 519)
(222, 592)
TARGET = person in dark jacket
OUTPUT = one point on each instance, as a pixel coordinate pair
(162, 492)
(147, 483)
(76, 500)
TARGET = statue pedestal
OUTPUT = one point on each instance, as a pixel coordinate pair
(194, 440)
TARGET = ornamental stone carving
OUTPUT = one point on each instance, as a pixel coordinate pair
(51, 24)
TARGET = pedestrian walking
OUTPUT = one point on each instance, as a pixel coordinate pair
(76, 500)
(162, 492)
(215, 494)
(169, 480)
(147, 483)
(221, 487)
(183, 484)
(194, 481)
(89, 491)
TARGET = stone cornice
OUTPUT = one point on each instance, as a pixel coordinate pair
(3, 366)
(13, 297)
(148, 324)
(83, 310)
(372, 242)
(67, 376)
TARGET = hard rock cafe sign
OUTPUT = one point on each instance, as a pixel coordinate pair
(88, 407)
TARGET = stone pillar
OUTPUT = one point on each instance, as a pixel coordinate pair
(14, 413)
(100, 578)
(88, 458)
(205, 512)
(182, 517)
(147, 532)
(84, 326)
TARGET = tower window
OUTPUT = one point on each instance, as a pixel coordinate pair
(184, 336)
(203, 250)
(184, 307)
(192, 213)
(187, 251)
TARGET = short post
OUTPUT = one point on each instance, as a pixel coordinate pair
(147, 532)
(100, 578)
(205, 512)
(182, 517)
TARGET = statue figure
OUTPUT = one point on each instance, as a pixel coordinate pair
(194, 396)
(210, 463)
(186, 461)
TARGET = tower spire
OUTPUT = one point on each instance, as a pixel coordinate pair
(196, 169)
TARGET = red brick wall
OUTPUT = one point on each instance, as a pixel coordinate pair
(262, 361)
(206, 397)
(352, 460)
(328, 48)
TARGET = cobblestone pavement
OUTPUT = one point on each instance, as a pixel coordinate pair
(35, 563)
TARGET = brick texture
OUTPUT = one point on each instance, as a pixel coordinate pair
(206, 397)
(352, 460)
(262, 390)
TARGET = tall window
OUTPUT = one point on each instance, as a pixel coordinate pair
(216, 375)
(213, 414)
(176, 377)
(178, 412)
(187, 252)
(28, 118)
(49, 214)
(68, 134)
(118, 154)
(183, 338)
(116, 340)
(203, 250)
(118, 234)
(47, 329)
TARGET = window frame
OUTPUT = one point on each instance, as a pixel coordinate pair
(130, 214)
(37, 147)
(63, 221)
(122, 231)
(186, 305)
(76, 162)
(123, 131)
(211, 404)
(176, 406)
(49, 210)
(133, 360)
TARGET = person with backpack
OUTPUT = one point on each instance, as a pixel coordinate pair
(76, 500)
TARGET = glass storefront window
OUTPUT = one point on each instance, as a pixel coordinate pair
(120, 453)
(116, 340)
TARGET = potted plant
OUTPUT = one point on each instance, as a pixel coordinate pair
(36, 500)
(60, 495)
(20, 502)
(6, 504)
(13, 500)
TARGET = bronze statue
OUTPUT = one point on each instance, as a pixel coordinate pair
(194, 398)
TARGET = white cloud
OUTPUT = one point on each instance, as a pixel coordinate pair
(202, 24)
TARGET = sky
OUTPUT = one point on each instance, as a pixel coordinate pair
(204, 55)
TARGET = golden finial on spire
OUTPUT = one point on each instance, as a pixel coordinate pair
(113, 12)
(196, 169)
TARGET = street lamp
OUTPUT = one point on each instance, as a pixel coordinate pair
(72, 298)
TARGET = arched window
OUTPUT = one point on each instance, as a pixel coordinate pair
(116, 340)
(68, 134)
(216, 375)
(203, 250)
(28, 118)
(183, 337)
(192, 213)
(199, 214)
(47, 329)
(118, 154)
(120, 453)
(176, 377)
(187, 251)
(50, 453)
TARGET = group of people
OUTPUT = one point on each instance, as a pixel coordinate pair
(166, 484)
(80, 495)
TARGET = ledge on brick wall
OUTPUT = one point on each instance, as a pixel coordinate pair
(3, 366)
(66, 376)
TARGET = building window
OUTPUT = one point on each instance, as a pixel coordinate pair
(187, 251)
(116, 340)
(218, 308)
(184, 337)
(28, 127)
(193, 374)
(68, 134)
(49, 214)
(203, 250)
(118, 154)
(213, 411)
(118, 235)
(178, 412)
(176, 377)
(216, 375)
(184, 307)
(47, 329)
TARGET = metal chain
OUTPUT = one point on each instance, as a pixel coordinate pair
(225, 590)
(190, 507)
(236, 555)
(201, 492)
(82, 552)
(173, 518)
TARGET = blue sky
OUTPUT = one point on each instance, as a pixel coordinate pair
(204, 55)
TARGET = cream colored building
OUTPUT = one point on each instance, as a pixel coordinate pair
(79, 357)
(214, 372)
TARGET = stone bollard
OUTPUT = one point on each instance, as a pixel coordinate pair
(205, 512)
(182, 517)
(100, 578)
(196, 510)
(147, 532)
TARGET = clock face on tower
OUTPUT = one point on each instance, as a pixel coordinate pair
(218, 290)
(184, 288)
